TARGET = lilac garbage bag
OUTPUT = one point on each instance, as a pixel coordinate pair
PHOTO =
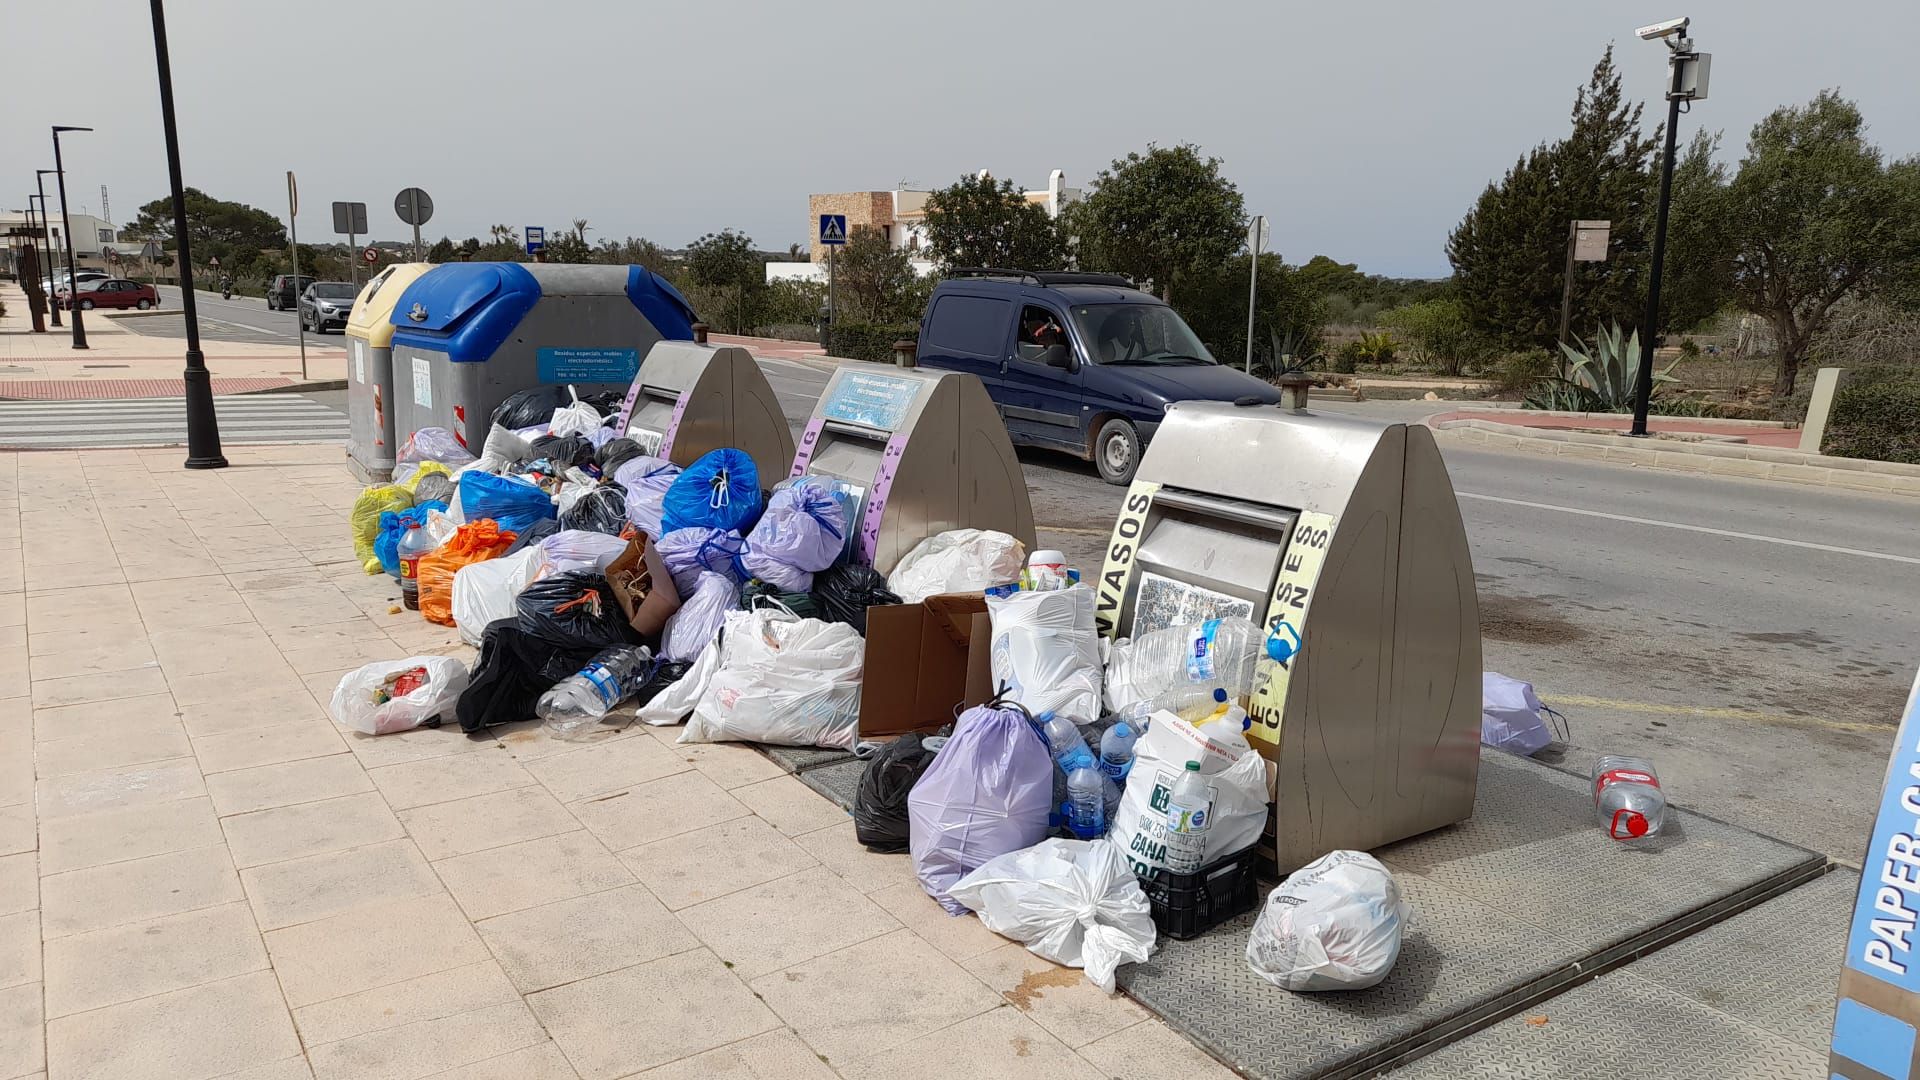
(700, 617)
(689, 553)
(803, 530)
(988, 792)
(646, 480)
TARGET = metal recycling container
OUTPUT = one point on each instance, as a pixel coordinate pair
(370, 445)
(469, 335)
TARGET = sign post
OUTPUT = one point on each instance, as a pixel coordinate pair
(293, 243)
(1256, 238)
(536, 239)
(414, 208)
(833, 234)
(151, 251)
(351, 218)
(1586, 242)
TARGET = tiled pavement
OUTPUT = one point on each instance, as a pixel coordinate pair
(200, 877)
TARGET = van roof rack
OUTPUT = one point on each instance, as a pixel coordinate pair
(1045, 278)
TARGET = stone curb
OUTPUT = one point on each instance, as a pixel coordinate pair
(1716, 459)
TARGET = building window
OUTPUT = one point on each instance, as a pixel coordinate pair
(106, 236)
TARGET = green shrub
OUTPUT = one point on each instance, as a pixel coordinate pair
(870, 341)
(1520, 370)
(1877, 419)
(1348, 355)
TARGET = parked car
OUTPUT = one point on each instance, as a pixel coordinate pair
(283, 292)
(1084, 363)
(325, 304)
(110, 293)
(58, 283)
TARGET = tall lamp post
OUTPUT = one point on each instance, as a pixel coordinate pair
(1686, 82)
(38, 226)
(60, 176)
(46, 237)
(203, 427)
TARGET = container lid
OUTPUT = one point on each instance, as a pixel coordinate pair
(465, 310)
(1046, 557)
(372, 315)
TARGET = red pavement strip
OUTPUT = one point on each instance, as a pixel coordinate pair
(99, 389)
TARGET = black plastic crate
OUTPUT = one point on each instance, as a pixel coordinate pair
(1188, 905)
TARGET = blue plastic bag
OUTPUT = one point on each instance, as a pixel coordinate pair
(386, 543)
(719, 491)
(513, 504)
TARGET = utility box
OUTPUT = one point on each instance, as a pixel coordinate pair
(370, 446)
(469, 335)
(1341, 536)
(691, 398)
(917, 452)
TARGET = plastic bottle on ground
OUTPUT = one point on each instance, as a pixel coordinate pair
(1086, 806)
(1627, 797)
(414, 543)
(577, 702)
(1178, 667)
(1188, 808)
(1116, 751)
(1070, 753)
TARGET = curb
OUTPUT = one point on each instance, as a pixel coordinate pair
(295, 388)
(116, 316)
(1716, 459)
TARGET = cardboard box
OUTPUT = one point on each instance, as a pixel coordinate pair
(924, 662)
(643, 588)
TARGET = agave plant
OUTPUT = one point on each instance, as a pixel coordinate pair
(1377, 347)
(1610, 368)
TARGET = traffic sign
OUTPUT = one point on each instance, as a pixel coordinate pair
(150, 250)
(371, 255)
(1590, 240)
(833, 228)
(350, 218)
(536, 238)
(214, 262)
(112, 255)
(413, 206)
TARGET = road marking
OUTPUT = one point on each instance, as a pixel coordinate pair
(1752, 716)
(1730, 534)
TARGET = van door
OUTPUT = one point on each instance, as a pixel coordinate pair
(1040, 387)
(968, 333)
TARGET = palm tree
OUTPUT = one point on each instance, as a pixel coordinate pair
(580, 228)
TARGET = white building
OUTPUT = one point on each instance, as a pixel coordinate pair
(93, 238)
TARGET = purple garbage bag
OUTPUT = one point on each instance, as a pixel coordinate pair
(988, 792)
(803, 530)
(646, 480)
(689, 553)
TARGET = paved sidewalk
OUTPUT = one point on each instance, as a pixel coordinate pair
(201, 877)
(1753, 434)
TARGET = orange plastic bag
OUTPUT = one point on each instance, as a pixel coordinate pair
(476, 541)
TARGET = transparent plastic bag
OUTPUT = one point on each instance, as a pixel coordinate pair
(1073, 902)
(1334, 924)
(574, 418)
(397, 695)
(484, 592)
(961, 560)
(1046, 651)
(782, 681)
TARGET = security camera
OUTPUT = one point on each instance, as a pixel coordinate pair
(1670, 28)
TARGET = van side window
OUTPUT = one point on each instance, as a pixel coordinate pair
(1040, 330)
(975, 325)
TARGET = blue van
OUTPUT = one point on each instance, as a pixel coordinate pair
(1079, 362)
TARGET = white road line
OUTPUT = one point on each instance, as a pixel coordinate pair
(1730, 534)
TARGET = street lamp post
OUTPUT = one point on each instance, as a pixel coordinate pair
(60, 177)
(1686, 82)
(46, 240)
(203, 427)
(35, 226)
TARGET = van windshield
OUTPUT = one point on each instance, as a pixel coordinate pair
(1138, 334)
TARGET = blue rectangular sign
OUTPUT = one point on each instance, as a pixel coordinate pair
(875, 401)
(833, 228)
(588, 365)
(536, 238)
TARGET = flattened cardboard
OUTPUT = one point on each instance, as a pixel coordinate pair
(924, 662)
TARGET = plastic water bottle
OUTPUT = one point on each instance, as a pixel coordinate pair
(1116, 751)
(1627, 797)
(1086, 803)
(580, 700)
(414, 543)
(1188, 808)
(1229, 721)
(1178, 668)
(1071, 753)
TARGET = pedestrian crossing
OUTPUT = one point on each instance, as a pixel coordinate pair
(138, 422)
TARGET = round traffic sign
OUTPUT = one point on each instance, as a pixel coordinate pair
(370, 256)
(413, 206)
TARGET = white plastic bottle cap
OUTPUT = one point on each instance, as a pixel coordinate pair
(1048, 557)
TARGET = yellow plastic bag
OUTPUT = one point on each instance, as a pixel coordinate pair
(367, 509)
(427, 468)
(476, 541)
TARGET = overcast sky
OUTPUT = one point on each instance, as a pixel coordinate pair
(1363, 128)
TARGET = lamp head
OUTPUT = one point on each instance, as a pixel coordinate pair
(1668, 29)
(64, 127)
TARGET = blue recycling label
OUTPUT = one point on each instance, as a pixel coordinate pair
(563, 365)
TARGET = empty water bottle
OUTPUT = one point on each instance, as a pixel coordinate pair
(1627, 797)
(578, 701)
(1086, 805)
(1116, 751)
(414, 543)
(1189, 806)
(1071, 753)
(1178, 668)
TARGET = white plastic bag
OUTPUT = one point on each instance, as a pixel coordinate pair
(1235, 775)
(963, 560)
(1510, 715)
(782, 681)
(700, 617)
(670, 706)
(575, 419)
(580, 549)
(1074, 902)
(367, 701)
(485, 591)
(1334, 924)
(646, 480)
(1046, 651)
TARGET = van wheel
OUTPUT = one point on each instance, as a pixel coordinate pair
(1116, 451)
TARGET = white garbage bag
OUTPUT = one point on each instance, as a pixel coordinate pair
(1046, 651)
(963, 560)
(1235, 774)
(670, 706)
(782, 681)
(576, 419)
(397, 695)
(1511, 715)
(485, 591)
(1074, 902)
(1334, 924)
(579, 549)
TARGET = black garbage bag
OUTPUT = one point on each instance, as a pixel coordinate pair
(844, 593)
(534, 533)
(513, 670)
(615, 453)
(564, 451)
(880, 804)
(602, 510)
(531, 406)
(574, 611)
(434, 487)
(664, 674)
(607, 402)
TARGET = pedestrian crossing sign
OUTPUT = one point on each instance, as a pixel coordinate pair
(833, 228)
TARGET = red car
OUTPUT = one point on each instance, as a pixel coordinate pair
(110, 293)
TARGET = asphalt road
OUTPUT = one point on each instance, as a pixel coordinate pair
(243, 318)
